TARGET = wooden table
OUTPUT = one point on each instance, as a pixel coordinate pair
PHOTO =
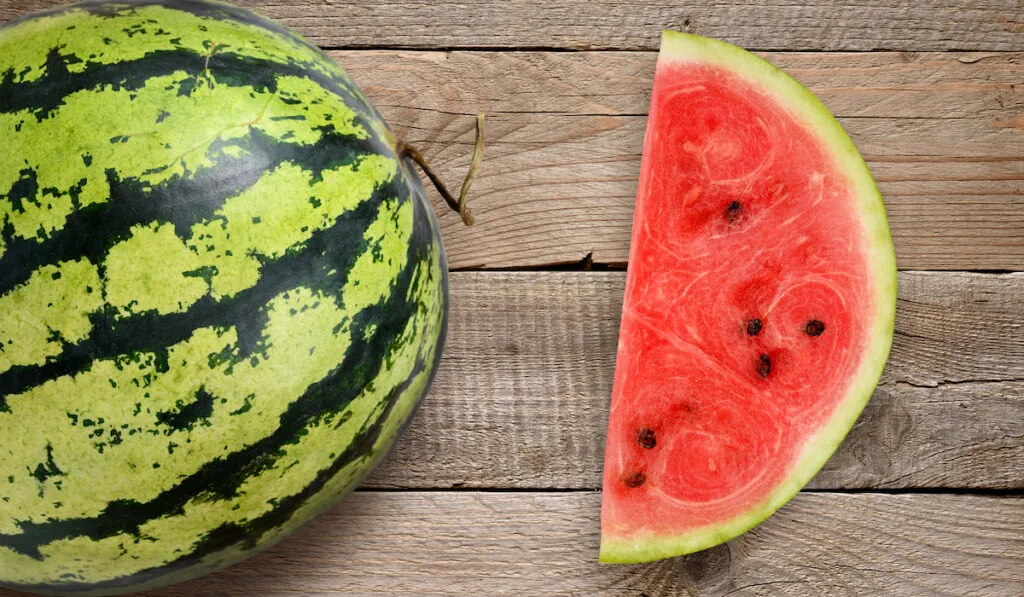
(494, 490)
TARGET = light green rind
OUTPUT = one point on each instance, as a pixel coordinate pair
(288, 334)
(141, 30)
(154, 140)
(153, 269)
(805, 107)
(60, 432)
(367, 406)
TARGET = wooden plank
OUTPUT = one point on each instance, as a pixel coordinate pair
(941, 132)
(609, 24)
(543, 171)
(877, 84)
(466, 543)
(521, 399)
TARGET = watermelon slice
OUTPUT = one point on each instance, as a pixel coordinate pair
(758, 309)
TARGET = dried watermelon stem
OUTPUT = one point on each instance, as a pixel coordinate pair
(458, 205)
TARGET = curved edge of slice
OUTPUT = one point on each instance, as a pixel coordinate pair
(682, 47)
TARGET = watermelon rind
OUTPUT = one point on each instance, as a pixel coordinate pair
(223, 291)
(805, 107)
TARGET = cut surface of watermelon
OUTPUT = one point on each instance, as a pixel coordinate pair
(758, 309)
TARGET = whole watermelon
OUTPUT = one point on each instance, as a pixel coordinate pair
(222, 291)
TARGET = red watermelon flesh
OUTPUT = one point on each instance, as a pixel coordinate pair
(758, 308)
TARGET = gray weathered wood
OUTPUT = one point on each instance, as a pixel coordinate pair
(941, 132)
(465, 543)
(521, 399)
(876, 84)
(543, 171)
(593, 24)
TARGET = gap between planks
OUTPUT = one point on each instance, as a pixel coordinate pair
(941, 132)
(521, 398)
(603, 24)
(1016, 492)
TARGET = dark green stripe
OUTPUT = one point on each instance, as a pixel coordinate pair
(331, 249)
(200, 407)
(91, 231)
(249, 534)
(46, 94)
(224, 476)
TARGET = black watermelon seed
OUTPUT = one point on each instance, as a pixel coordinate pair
(764, 366)
(814, 327)
(635, 479)
(753, 327)
(733, 211)
(645, 437)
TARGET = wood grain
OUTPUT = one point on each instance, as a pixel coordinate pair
(941, 132)
(467, 543)
(946, 85)
(604, 24)
(521, 400)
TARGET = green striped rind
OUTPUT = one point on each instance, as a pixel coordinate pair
(221, 293)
